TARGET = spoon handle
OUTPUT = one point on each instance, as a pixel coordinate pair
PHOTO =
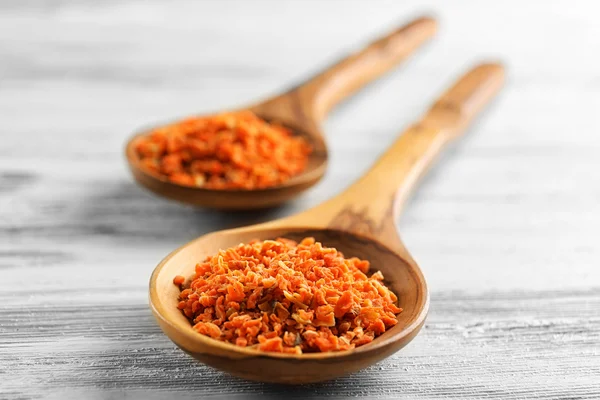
(324, 91)
(371, 205)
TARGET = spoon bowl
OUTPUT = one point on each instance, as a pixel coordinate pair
(401, 276)
(234, 199)
(301, 109)
(360, 223)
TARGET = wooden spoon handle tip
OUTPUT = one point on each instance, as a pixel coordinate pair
(460, 104)
(347, 76)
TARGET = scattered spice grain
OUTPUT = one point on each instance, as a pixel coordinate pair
(284, 296)
(226, 151)
(178, 280)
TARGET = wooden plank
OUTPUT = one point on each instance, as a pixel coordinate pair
(497, 345)
(505, 228)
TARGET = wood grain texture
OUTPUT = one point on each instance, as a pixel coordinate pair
(510, 345)
(506, 227)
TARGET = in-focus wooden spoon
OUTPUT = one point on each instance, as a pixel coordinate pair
(302, 109)
(359, 222)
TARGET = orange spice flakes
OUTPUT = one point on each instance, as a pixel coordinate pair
(226, 151)
(178, 280)
(284, 296)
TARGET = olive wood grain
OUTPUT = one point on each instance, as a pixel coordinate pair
(359, 222)
(302, 109)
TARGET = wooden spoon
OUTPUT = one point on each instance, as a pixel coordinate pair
(359, 222)
(301, 109)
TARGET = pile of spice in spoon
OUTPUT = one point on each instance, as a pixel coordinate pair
(226, 151)
(284, 296)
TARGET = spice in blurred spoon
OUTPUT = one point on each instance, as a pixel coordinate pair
(236, 150)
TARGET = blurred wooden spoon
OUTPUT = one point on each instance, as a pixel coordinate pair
(301, 109)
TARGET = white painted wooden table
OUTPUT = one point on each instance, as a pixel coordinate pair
(506, 228)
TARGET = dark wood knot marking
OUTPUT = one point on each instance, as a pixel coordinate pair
(354, 221)
(449, 108)
(359, 222)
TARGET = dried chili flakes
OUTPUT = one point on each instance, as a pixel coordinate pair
(226, 151)
(284, 296)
